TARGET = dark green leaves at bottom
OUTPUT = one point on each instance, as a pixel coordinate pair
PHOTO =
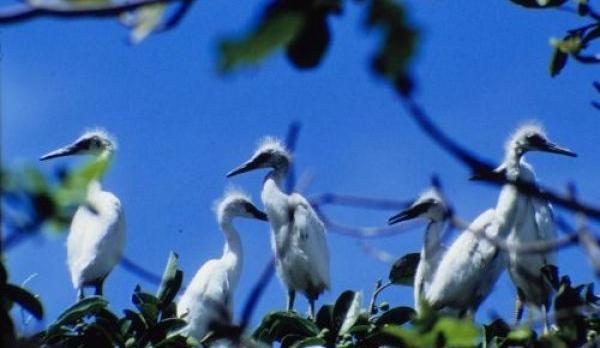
(87, 306)
(25, 299)
(277, 325)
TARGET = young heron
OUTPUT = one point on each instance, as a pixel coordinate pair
(97, 235)
(209, 297)
(297, 234)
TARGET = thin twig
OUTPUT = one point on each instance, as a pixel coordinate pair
(479, 166)
(27, 11)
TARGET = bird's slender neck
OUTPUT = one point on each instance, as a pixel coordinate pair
(514, 155)
(101, 163)
(232, 251)
(433, 235)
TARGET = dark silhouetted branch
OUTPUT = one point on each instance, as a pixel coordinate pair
(480, 167)
(132, 267)
(27, 11)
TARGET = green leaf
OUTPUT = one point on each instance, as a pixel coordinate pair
(160, 331)
(86, 307)
(558, 62)
(520, 335)
(397, 316)
(458, 333)
(276, 325)
(144, 21)
(346, 310)
(398, 43)
(497, 328)
(171, 281)
(25, 299)
(309, 342)
(272, 33)
(308, 47)
(404, 269)
(324, 318)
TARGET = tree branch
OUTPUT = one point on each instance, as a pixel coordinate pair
(24, 11)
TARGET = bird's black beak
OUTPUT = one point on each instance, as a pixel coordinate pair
(553, 148)
(259, 215)
(410, 213)
(246, 167)
(63, 151)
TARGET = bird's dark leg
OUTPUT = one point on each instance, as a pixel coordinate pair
(544, 309)
(98, 284)
(290, 300)
(518, 308)
(311, 308)
(80, 294)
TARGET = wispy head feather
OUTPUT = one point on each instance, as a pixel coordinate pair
(102, 134)
(270, 143)
(232, 194)
(525, 129)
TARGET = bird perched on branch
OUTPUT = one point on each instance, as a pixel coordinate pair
(97, 235)
(298, 236)
(430, 206)
(209, 296)
(529, 219)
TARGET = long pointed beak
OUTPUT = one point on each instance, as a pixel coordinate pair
(259, 215)
(246, 167)
(553, 148)
(408, 214)
(63, 151)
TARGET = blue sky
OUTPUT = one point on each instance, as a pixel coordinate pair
(481, 70)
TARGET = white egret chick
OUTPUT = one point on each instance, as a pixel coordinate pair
(533, 221)
(468, 270)
(97, 235)
(430, 206)
(298, 236)
(209, 296)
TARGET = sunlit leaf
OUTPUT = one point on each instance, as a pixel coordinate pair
(171, 281)
(273, 33)
(145, 20)
(346, 310)
(276, 325)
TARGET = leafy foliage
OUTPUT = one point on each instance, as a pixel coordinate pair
(11, 294)
(299, 26)
(152, 322)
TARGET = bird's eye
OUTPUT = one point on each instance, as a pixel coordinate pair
(535, 139)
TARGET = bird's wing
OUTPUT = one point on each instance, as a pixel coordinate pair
(96, 239)
(310, 231)
(210, 282)
(463, 266)
(544, 219)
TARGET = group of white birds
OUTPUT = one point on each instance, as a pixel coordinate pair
(457, 278)
(97, 236)
(454, 279)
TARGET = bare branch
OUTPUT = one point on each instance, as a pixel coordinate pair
(26, 11)
(479, 166)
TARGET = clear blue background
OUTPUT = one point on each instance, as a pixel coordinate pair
(481, 70)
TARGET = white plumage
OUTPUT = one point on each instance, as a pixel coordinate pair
(469, 269)
(431, 206)
(532, 221)
(297, 234)
(96, 239)
(209, 296)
